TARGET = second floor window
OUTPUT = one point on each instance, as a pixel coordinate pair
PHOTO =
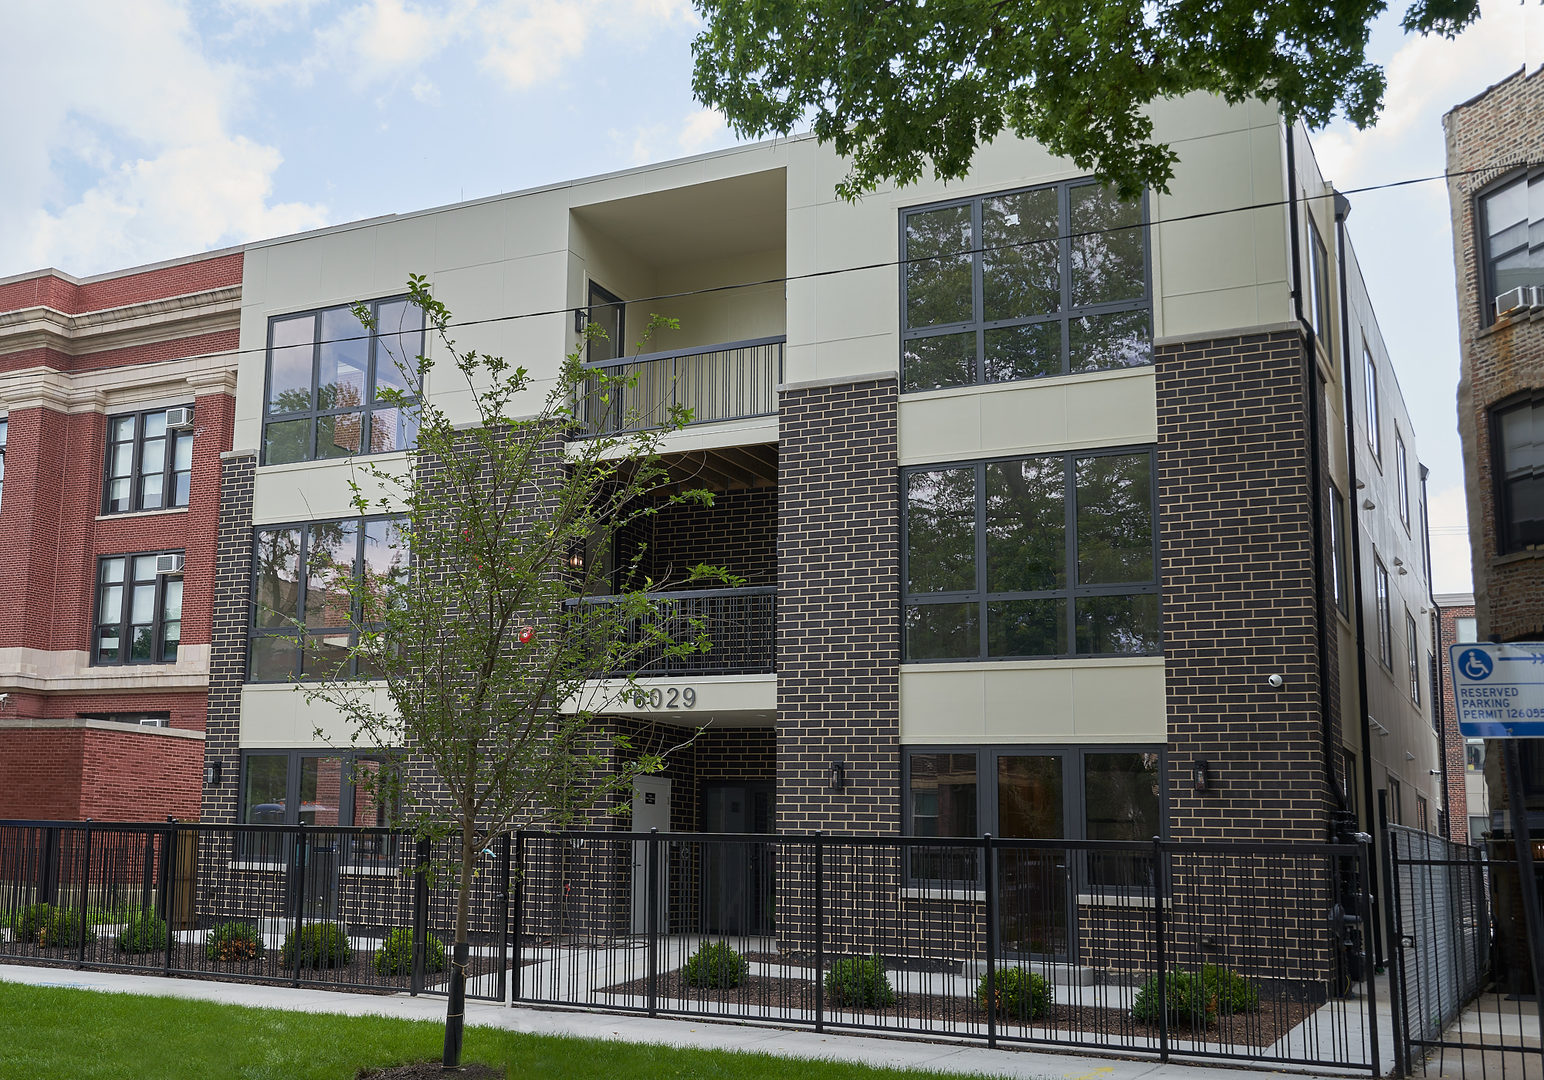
(1512, 224)
(305, 618)
(138, 609)
(327, 376)
(1049, 281)
(1518, 468)
(1031, 557)
(149, 462)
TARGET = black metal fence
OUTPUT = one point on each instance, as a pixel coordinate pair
(1230, 951)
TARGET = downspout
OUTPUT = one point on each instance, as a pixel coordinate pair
(1438, 690)
(1354, 526)
(1313, 390)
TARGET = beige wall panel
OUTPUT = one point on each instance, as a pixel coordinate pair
(839, 359)
(1197, 115)
(942, 704)
(1029, 705)
(1045, 701)
(1124, 703)
(471, 235)
(280, 717)
(315, 490)
(403, 247)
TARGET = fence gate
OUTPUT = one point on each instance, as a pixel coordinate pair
(1455, 1014)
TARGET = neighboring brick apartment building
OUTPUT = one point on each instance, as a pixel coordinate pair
(116, 402)
(1464, 759)
(1031, 507)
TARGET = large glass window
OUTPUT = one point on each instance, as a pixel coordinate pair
(1518, 441)
(1029, 557)
(138, 610)
(149, 463)
(324, 789)
(1385, 615)
(305, 622)
(328, 378)
(1024, 284)
(1512, 223)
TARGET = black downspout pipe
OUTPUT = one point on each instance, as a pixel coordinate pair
(1438, 691)
(1354, 527)
(1313, 396)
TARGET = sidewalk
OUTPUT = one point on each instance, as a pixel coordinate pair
(892, 1052)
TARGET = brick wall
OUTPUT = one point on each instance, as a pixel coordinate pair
(228, 645)
(1452, 739)
(73, 298)
(69, 774)
(738, 533)
(838, 647)
(1492, 133)
(1238, 590)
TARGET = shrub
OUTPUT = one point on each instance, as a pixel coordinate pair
(49, 926)
(859, 982)
(318, 945)
(1019, 994)
(232, 941)
(715, 964)
(1189, 1001)
(395, 956)
(1231, 991)
(145, 932)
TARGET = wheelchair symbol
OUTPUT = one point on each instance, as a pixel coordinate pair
(1476, 664)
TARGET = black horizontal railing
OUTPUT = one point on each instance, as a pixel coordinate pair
(730, 381)
(740, 626)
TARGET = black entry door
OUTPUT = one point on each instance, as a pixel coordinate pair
(737, 885)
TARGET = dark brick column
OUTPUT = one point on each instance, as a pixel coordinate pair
(1238, 590)
(838, 635)
(228, 643)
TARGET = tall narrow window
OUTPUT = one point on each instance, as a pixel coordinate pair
(1370, 380)
(336, 389)
(1517, 441)
(1339, 581)
(1512, 223)
(149, 460)
(1025, 284)
(1412, 655)
(138, 610)
(1319, 292)
(1402, 478)
(1385, 624)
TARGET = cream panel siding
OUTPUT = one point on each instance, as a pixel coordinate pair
(1044, 701)
(280, 717)
(1116, 408)
(317, 490)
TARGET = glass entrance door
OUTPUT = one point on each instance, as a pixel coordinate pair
(1033, 883)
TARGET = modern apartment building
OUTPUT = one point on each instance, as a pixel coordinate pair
(1057, 515)
(116, 402)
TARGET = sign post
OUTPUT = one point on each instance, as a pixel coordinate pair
(1499, 691)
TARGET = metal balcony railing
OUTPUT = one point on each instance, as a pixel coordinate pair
(740, 624)
(730, 381)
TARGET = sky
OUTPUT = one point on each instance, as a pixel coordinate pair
(158, 128)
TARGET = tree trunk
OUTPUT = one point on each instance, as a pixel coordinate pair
(455, 1008)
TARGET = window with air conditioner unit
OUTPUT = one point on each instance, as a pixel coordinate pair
(1511, 229)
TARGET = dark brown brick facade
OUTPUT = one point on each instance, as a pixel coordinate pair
(1454, 760)
(1239, 600)
(228, 643)
(838, 638)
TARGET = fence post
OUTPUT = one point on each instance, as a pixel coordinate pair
(168, 874)
(820, 935)
(420, 914)
(505, 848)
(989, 881)
(302, 859)
(85, 900)
(652, 908)
(48, 873)
(1395, 943)
(1364, 904)
(1160, 901)
(519, 913)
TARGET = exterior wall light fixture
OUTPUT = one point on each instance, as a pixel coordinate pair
(838, 776)
(212, 773)
(1201, 775)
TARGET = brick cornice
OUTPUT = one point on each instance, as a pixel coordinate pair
(188, 315)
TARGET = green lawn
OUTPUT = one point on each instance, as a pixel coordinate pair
(51, 1032)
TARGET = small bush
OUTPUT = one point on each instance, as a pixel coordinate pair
(1019, 994)
(1189, 1000)
(232, 941)
(715, 964)
(859, 982)
(49, 926)
(319, 945)
(1231, 991)
(395, 956)
(145, 932)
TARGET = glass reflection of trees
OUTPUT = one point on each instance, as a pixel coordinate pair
(1025, 284)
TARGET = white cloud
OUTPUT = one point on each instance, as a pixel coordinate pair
(388, 40)
(703, 130)
(425, 91)
(130, 154)
(1450, 562)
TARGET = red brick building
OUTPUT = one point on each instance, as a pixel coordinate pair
(116, 401)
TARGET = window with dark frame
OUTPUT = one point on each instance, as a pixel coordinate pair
(1385, 615)
(1422, 820)
(1370, 385)
(1339, 576)
(149, 464)
(1517, 441)
(1033, 792)
(1412, 657)
(335, 389)
(1052, 555)
(1396, 802)
(1511, 227)
(315, 788)
(1050, 280)
(1319, 293)
(138, 611)
(305, 621)
(1402, 478)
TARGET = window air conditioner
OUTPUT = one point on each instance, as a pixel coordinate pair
(154, 721)
(168, 564)
(1517, 300)
(180, 418)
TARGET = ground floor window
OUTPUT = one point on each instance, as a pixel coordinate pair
(1034, 792)
(312, 788)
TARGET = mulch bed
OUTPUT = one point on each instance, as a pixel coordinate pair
(797, 995)
(432, 1070)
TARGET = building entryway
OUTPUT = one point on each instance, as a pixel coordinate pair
(737, 878)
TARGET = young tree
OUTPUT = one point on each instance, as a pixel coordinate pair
(900, 83)
(472, 612)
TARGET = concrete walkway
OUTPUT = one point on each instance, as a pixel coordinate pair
(893, 1052)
